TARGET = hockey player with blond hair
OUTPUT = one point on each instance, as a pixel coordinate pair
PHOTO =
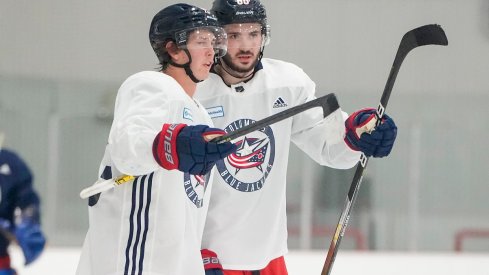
(154, 224)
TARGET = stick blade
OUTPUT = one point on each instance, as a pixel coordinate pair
(329, 103)
(429, 35)
(97, 188)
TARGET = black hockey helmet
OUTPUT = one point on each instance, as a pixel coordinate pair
(176, 22)
(239, 11)
(242, 11)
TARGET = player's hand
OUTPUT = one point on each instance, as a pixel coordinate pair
(362, 135)
(211, 263)
(187, 149)
(30, 239)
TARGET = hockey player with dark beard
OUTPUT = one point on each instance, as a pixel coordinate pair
(246, 226)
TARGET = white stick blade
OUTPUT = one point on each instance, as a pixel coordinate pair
(97, 187)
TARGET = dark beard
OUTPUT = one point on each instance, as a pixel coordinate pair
(227, 60)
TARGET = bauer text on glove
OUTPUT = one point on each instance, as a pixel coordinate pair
(211, 263)
(187, 149)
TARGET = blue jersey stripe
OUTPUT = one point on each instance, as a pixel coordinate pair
(146, 222)
(138, 218)
(131, 225)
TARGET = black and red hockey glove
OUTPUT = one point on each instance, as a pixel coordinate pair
(211, 263)
(187, 149)
(362, 135)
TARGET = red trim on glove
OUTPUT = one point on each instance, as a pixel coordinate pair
(351, 120)
(5, 262)
(166, 149)
(351, 146)
(210, 260)
(350, 126)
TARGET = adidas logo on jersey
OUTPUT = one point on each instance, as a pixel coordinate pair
(279, 103)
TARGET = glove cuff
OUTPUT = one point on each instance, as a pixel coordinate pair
(165, 146)
(350, 144)
(358, 123)
(210, 260)
(4, 262)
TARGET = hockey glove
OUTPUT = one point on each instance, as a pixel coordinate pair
(187, 149)
(212, 265)
(30, 238)
(361, 134)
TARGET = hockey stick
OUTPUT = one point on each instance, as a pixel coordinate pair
(328, 103)
(425, 35)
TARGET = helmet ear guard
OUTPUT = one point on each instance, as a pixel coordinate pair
(266, 30)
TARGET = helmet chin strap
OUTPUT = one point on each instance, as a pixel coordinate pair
(186, 67)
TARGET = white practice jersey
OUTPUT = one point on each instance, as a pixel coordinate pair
(246, 225)
(154, 224)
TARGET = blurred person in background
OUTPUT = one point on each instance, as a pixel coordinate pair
(154, 224)
(246, 226)
(19, 210)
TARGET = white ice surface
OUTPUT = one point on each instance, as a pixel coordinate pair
(63, 261)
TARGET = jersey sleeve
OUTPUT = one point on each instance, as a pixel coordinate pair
(321, 138)
(141, 108)
(26, 198)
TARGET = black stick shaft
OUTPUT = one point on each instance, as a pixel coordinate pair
(425, 35)
(329, 103)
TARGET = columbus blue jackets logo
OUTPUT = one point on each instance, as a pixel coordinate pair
(248, 168)
(195, 186)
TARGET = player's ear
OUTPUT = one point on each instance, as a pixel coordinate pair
(174, 52)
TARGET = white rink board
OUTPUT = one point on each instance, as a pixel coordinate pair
(63, 261)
